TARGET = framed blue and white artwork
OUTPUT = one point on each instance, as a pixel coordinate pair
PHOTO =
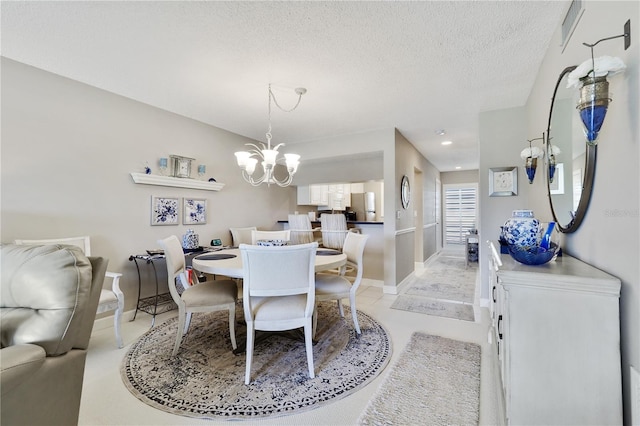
(165, 211)
(195, 211)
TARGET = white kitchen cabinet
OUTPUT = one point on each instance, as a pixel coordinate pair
(303, 195)
(339, 196)
(319, 195)
(557, 333)
(313, 195)
(334, 196)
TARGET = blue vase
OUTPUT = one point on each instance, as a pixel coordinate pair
(523, 229)
(190, 240)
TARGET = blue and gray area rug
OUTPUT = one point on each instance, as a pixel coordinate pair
(206, 380)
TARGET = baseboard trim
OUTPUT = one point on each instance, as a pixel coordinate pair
(372, 283)
(107, 321)
(389, 289)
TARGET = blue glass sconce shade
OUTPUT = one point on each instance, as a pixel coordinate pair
(552, 167)
(592, 117)
(593, 104)
(530, 166)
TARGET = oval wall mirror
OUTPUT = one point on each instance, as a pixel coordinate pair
(569, 188)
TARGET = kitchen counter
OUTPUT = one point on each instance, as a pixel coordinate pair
(349, 222)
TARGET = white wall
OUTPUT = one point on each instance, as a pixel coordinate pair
(463, 176)
(340, 169)
(67, 153)
(503, 135)
(415, 230)
(609, 236)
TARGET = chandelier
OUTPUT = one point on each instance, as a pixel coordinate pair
(247, 160)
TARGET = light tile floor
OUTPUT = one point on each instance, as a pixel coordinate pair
(106, 401)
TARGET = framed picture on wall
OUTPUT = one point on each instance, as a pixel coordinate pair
(557, 186)
(165, 211)
(194, 211)
(503, 181)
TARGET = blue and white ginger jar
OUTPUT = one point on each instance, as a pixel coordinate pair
(523, 229)
(190, 240)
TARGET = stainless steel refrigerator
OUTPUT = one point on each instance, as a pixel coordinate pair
(364, 204)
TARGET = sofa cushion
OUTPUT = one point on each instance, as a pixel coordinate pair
(43, 292)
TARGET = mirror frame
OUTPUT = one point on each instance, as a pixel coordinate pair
(589, 175)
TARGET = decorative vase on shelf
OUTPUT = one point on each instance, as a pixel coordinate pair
(190, 240)
(522, 229)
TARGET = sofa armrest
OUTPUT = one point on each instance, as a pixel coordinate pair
(18, 362)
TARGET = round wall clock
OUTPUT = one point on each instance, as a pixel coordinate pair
(405, 192)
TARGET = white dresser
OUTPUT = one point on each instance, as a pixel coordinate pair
(556, 333)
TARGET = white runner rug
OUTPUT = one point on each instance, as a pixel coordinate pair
(436, 381)
(446, 288)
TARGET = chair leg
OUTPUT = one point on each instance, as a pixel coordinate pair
(354, 313)
(181, 325)
(249, 352)
(309, 345)
(315, 320)
(117, 317)
(187, 323)
(340, 308)
(232, 325)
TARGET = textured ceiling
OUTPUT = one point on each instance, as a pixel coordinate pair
(416, 66)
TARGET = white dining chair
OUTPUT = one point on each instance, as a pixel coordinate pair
(241, 235)
(270, 235)
(334, 230)
(300, 228)
(209, 296)
(278, 293)
(111, 299)
(337, 287)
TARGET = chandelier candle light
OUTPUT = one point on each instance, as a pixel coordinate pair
(247, 162)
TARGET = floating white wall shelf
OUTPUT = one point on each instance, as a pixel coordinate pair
(146, 179)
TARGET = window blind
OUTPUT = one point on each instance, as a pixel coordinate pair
(460, 213)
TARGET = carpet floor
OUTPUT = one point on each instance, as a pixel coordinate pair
(206, 380)
(436, 381)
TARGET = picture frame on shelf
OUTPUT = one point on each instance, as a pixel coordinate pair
(194, 211)
(165, 211)
(181, 166)
(503, 181)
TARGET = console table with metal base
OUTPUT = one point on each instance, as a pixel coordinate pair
(158, 303)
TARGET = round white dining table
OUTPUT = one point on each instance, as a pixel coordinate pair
(232, 267)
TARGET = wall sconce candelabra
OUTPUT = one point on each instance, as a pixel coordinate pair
(530, 156)
(247, 162)
(591, 76)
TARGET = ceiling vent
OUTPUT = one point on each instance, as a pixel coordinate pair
(571, 21)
